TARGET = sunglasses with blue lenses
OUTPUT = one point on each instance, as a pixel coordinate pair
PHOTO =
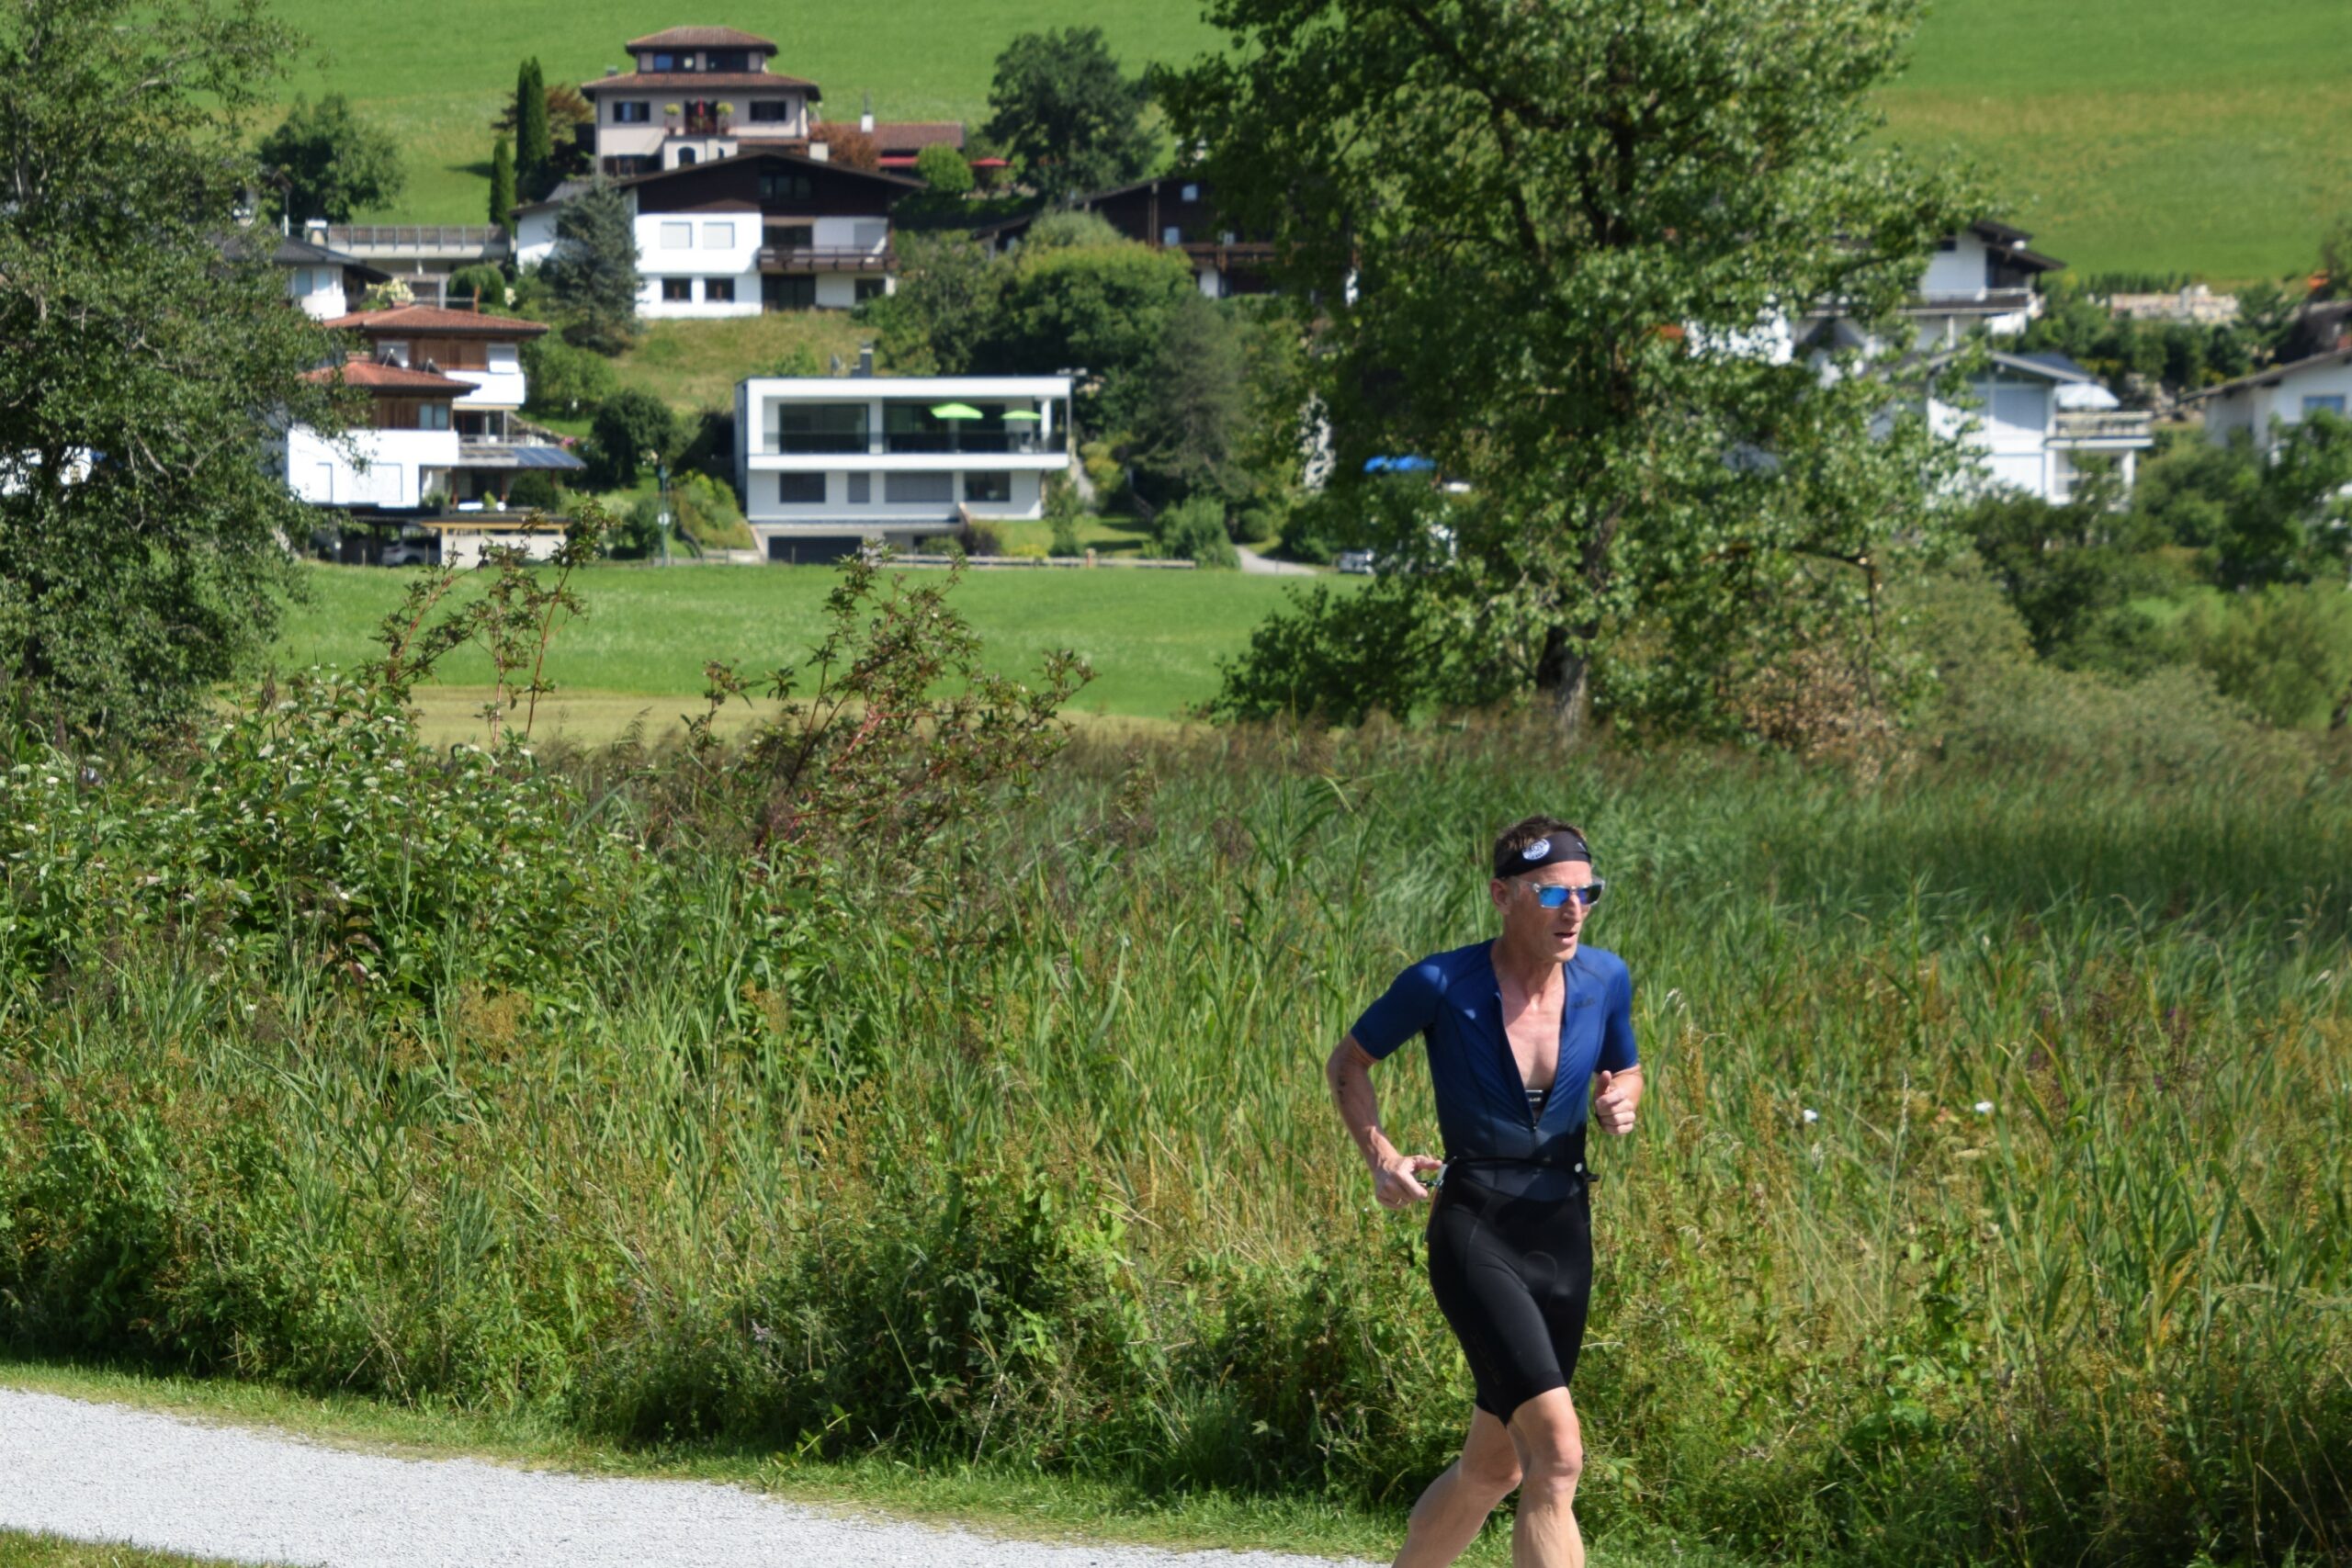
(1554, 896)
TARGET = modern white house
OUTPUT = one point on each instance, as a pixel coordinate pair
(405, 452)
(827, 463)
(2039, 422)
(2264, 406)
(761, 231)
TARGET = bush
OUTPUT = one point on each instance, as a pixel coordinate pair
(971, 539)
(707, 513)
(535, 489)
(632, 428)
(1194, 530)
(2286, 653)
(943, 169)
(563, 379)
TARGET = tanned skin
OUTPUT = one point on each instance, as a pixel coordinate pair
(1540, 1452)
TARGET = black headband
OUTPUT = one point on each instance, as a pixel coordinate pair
(1561, 846)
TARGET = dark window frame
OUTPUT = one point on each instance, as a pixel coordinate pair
(805, 483)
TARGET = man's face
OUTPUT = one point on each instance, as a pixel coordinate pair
(1531, 927)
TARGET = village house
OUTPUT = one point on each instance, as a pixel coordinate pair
(445, 388)
(1171, 212)
(2263, 407)
(321, 282)
(827, 463)
(2040, 423)
(760, 230)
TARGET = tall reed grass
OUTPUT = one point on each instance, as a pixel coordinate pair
(1993, 1199)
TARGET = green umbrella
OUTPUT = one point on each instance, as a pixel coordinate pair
(1020, 415)
(956, 410)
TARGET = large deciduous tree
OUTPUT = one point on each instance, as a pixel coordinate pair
(1557, 250)
(326, 161)
(1060, 102)
(593, 270)
(146, 359)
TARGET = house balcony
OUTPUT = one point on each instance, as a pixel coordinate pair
(812, 258)
(709, 124)
(905, 443)
(1974, 301)
(2101, 429)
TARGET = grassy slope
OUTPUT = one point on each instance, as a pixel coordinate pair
(1153, 637)
(2145, 135)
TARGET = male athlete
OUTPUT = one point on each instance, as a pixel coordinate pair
(1517, 1028)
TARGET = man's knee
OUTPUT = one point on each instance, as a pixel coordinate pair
(1551, 1441)
(1491, 1470)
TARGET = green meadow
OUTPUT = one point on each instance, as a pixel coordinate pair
(1153, 637)
(2154, 135)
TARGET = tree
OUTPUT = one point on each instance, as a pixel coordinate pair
(1103, 307)
(944, 307)
(502, 187)
(1193, 530)
(143, 548)
(1542, 239)
(854, 150)
(535, 489)
(483, 282)
(1060, 103)
(943, 170)
(326, 161)
(632, 424)
(592, 272)
(1194, 402)
(534, 144)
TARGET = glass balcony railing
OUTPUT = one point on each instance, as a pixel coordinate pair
(900, 443)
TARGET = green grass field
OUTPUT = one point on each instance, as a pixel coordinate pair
(2129, 134)
(1154, 637)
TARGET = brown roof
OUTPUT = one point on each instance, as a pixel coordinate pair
(692, 81)
(380, 378)
(701, 38)
(897, 132)
(434, 318)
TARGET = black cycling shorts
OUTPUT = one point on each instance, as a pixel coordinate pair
(1513, 1276)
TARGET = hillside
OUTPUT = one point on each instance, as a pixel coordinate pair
(2149, 135)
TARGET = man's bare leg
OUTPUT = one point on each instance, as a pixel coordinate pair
(1551, 1451)
(1447, 1518)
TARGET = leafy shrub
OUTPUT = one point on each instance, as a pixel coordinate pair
(942, 168)
(565, 380)
(1193, 530)
(535, 489)
(633, 428)
(2285, 654)
(707, 513)
(483, 282)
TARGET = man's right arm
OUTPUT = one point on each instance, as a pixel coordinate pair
(1394, 1176)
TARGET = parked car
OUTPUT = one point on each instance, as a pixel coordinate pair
(410, 552)
(1355, 563)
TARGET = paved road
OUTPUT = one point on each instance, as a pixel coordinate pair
(108, 1473)
(1257, 565)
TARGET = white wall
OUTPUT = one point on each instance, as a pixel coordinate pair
(2255, 409)
(1957, 271)
(317, 290)
(718, 244)
(401, 465)
(502, 386)
(535, 236)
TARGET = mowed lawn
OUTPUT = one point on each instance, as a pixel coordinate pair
(2129, 134)
(1153, 638)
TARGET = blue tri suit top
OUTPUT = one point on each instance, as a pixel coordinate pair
(1455, 1002)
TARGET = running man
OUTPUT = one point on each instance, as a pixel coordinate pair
(1517, 1028)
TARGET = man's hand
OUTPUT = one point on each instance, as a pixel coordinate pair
(1397, 1181)
(1612, 1104)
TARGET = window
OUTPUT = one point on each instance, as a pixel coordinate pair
(987, 487)
(782, 292)
(719, 236)
(870, 289)
(1192, 193)
(687, 155)
(911, 489)
(1948, 243)
(393, 353)
(861, 489)
(2330, 402)
(433, 416)
(677, 236)
(792, 236)
(1171, 235)
(821, 427)
(768, 110)
(677, 289)
(718, 290)
(725, 60)
(660, 62)
(777, 185)
(800, 490)
(632, 111)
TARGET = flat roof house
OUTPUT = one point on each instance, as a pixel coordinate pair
(827, 463)
(761, 231)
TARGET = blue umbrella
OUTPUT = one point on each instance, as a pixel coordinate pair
(1397, 465)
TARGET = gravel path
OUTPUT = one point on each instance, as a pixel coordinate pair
(107, 1472)
(1255, 565)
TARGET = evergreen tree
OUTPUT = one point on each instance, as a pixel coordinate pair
(593, 272)
(502, 187)
(534, 147)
